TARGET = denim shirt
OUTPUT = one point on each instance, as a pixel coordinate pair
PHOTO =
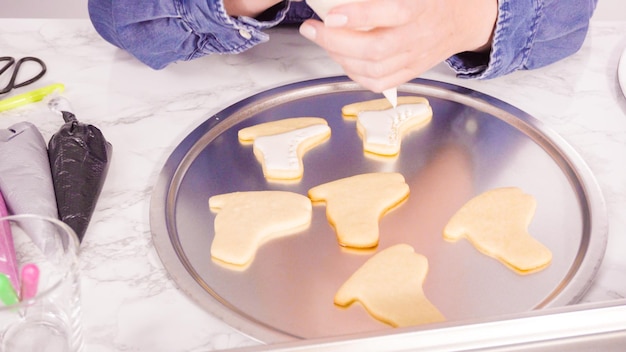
(528, 34)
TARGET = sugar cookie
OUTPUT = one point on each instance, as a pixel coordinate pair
(382, 127)
(355, 204)
(245, 220)
(389, 286)
(351, 111)
(280, 145)
(496, 223)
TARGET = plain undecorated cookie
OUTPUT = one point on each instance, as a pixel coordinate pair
(280, 145)
(246, 220)
(496, 223)
(354, 205)
(389, 286)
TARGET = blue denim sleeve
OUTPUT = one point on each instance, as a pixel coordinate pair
(529, 34)
(159, 32)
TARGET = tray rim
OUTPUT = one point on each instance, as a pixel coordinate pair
(164, 193)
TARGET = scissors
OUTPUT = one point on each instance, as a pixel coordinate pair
(28, 97)
(10, 61)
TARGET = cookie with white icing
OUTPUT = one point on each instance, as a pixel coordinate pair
(382, 127)
(280, 145)
(389, 286)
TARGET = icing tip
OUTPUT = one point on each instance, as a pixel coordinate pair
(392, 95)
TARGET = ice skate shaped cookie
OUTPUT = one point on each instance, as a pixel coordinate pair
(382, 127)
(280, 145)
(354, 205)
(246, 220)
(389, 286)
(496, 223)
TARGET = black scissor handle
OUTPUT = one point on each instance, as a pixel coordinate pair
(10, 61)
(11, 85)
(34, 78)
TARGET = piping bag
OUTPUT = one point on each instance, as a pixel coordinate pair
(25, 179)
(79, 160)
(8, 262)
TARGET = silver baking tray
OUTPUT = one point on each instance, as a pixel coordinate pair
(473, 143)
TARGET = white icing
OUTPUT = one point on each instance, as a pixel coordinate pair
(383, 127)
(280, 151)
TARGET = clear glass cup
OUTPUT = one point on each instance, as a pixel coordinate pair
(43, 313)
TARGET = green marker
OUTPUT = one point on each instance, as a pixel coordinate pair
(7, 293)
(29, 97)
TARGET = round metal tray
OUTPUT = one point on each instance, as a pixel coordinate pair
(473, 143)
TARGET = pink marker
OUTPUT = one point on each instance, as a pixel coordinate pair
(30, 281)
(8, 264)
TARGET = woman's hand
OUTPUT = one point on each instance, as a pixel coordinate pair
(249, 8)
(384, 43)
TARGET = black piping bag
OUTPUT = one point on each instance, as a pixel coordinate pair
(26, 180)
(79, 160)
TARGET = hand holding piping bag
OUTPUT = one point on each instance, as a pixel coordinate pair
(384, 43)
(321, 8)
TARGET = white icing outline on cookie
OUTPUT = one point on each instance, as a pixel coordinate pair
(382, 130)
(281, 154)
(280, 145)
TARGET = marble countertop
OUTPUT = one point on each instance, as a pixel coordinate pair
(129, 301)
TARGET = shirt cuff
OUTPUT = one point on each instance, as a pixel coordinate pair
(242, 33)
(512, 39)
(529, 34)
